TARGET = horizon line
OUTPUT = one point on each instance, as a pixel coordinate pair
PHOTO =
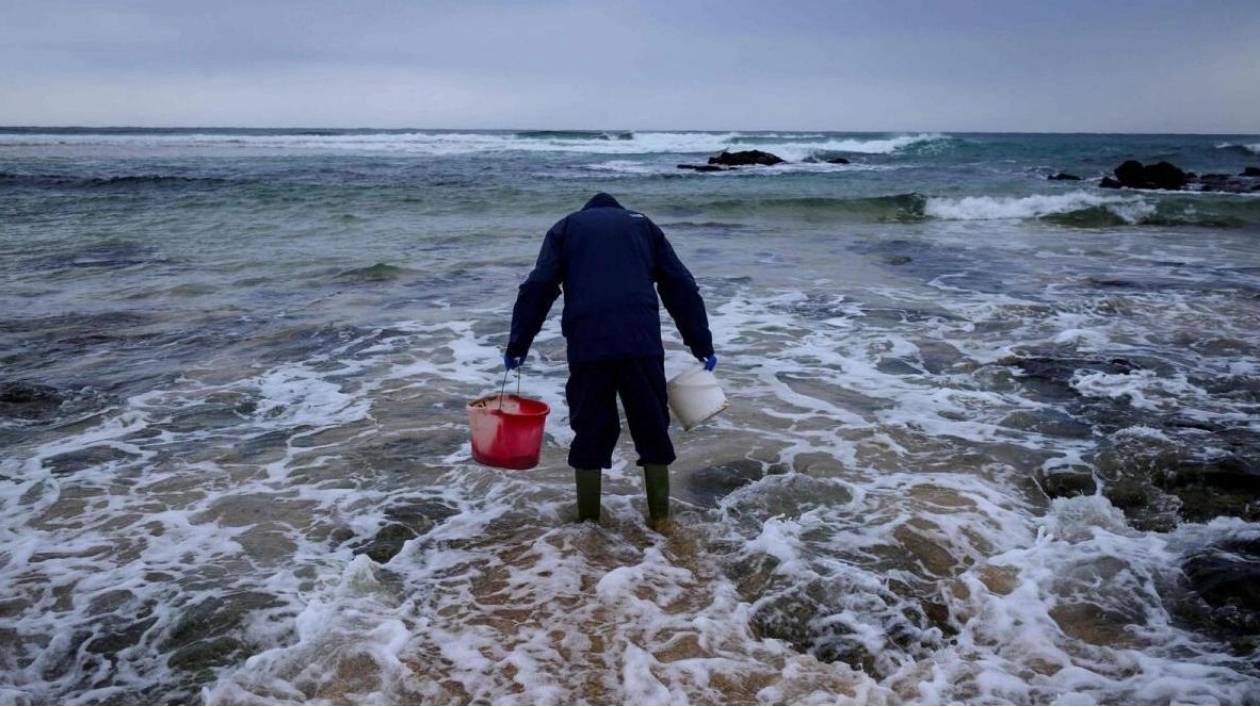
(607, 130)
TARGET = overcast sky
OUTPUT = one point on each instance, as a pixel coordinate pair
(880, 65)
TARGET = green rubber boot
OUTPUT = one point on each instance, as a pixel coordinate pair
(656, 481)
(588, 493)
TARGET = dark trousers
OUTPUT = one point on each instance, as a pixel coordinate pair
(592, 393)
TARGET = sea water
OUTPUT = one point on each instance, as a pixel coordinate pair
(234, 366)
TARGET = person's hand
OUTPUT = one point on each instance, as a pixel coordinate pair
(711, 362)
(512, 363)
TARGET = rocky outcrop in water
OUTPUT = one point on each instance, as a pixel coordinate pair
(1180, 470)
(745, 158)
(739, 158)
(1226, 578)
(28, 401)
(751, 158)
(1165, 176)
(407, 522)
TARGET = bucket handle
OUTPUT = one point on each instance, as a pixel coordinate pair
(503, 386)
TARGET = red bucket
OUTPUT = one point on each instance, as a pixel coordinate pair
(507, 430)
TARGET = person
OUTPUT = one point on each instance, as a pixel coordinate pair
(611, 264)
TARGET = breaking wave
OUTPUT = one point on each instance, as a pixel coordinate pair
(790, 146)
(1247, 148)
(1086, 209)
(984, 208)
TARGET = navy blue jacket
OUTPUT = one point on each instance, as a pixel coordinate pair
(611, 263)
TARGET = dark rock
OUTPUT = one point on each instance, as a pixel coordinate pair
(1056, 423)
(210, 653)
(1226, 473)
(1131, 174)
(388, 542)
(1227, 578)
(744, 158)
(216, 616)
(1064, 176)
(1066, 483)
(704, 167)
(1225, 486)
(110, 643)
(706, 487)
(1163, 175)
(1226, 184)
(1168, 177)
(1053, 376)
(421, 516)
(80, 459)
(1145, 507)
(28, 400)
(1129, 494)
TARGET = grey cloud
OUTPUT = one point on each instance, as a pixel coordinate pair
(804, 64)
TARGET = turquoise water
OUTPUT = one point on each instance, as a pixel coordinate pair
(236, 467)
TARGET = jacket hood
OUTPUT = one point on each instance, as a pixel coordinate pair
(602, 200)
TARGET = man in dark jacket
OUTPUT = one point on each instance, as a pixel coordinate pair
(611, 264)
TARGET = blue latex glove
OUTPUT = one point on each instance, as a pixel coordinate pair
(513, 362)
(711, 362)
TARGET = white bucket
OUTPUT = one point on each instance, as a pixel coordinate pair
(695, 396)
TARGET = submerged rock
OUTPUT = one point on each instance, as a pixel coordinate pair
(1067, 482)
(387, 542)
(1161, 481)
(1210, 488)
(77, 460)
(409, 521)
(1226, 577)
(28, 400)
(1052, 377)
(1064, 176)
(706, 487)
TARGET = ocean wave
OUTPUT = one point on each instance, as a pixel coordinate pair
(986, 208)
(790, 146)
(131, 180)
(574, 135)
(43, 180)
(1247, 148)
(896, 208)
(642, 168)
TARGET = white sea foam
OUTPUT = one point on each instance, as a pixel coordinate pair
(1252, 147)
(894, 527)
(623, 168)
(1141, 389)
(982, 208)
(794, 147)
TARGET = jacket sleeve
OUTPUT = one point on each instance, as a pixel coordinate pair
(537, 294)
(681, 297)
